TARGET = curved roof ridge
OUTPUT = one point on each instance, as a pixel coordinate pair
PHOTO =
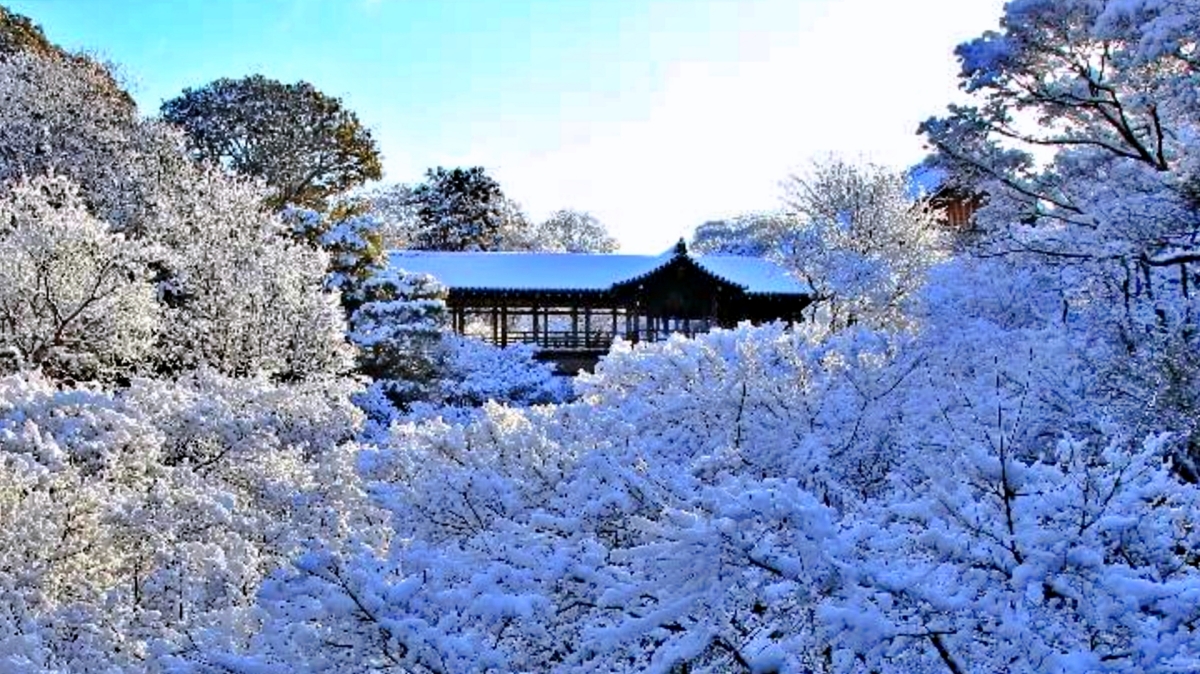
(672, 258)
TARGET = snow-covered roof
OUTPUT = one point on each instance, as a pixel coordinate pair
(584, 271)
(925, 180)
(753, 274)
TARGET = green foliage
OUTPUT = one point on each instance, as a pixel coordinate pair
(303, 143)
(20, 34)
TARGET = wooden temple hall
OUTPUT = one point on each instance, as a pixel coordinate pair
(573, 305)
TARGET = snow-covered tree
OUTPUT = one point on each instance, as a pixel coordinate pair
(458, 209)
(516, 230)
(570, 231)
(861, 242)
(74, 298)
(351, 234)
(19, 33)
(753, 234)
(1081, 135)
(148, 518)
(393, 207)
(398, 331)
(236, 293)
(1105, 89)
(242, 296)
(61, 117)
(1074, 560)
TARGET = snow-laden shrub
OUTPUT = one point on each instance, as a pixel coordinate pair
(476, 372)
(140, 523)
(1081, 559)
(234, 292)
(398, 328)
(470, 374)
(770, 500)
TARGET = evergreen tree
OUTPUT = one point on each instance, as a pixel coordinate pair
(305, 144)
(458, 209)
(352, 236)
(398, 331)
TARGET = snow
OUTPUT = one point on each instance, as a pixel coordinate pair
(526, 271)
(925, 180)
(583, 271)
(755, 275)
(982, 463)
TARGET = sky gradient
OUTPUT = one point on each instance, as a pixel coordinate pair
(654, 115)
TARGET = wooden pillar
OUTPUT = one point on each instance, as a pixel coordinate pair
(587, 326)
(614, 322)
(574, 326)
(503, 326)
(495, 325)
(536, 338)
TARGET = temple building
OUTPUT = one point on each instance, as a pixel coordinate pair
(572, 305)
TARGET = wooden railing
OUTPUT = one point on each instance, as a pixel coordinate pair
(568, 340)
(562, 340)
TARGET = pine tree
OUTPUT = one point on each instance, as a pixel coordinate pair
(458, 209)
(398, 331)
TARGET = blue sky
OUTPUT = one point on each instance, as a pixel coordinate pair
(654, 115)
